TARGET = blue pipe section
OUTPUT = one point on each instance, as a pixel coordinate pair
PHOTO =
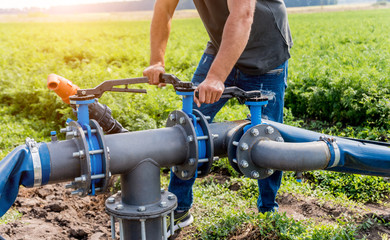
(17, 169)
(188, 103)
(355, 157)
(255, 110)
(83, 112)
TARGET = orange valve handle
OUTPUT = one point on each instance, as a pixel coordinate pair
(62, 87)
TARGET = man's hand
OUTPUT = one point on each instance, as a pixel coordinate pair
(210, 90)
(153, 73)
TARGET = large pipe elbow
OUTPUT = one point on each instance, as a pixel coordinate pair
(291, 156)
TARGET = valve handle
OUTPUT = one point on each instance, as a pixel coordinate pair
(177, 84)
(229, 92)
(241, 95)
(110, 86)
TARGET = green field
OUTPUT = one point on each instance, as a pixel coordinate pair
(339, 83)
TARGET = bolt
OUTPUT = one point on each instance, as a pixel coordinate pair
(190, 138)
(174, 169)
(71, 185)
(119, 207)
(172, 117)
(184, 174)
(77, 192)
(244, 163)
(215, 136)
(244, 147)
(78, 154)
(83, 178)
(234, 160)
(269, 171)
(255, 132)
(235, 143)
(191, 161)
(64, 130)
(255, 174)
(216, 158)
(207, 117)
(163, 204)
(83, 92)
(141, 209)
(171, 197)
(182, 120)
(111, 200)
(269, 130)
(279, 139)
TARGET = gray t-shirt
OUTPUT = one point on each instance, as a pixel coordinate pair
(269, 41)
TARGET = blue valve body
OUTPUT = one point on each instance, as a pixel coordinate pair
(188, 103)
(93, 143)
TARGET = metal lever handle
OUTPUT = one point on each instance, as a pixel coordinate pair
(241, 95)
(110, 85)
(177, 84)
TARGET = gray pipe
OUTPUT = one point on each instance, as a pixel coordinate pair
(225, 131)
(291, 156)
(63, 166)
(166, 146)
(141, 187)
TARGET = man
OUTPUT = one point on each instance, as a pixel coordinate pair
(248, 48)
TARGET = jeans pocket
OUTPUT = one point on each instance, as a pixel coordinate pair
(275, 71)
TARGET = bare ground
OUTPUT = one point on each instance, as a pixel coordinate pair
(50, 212)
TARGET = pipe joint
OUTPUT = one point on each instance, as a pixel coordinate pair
(252, 136)
(334, 151)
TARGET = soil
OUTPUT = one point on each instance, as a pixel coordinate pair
(50, 212)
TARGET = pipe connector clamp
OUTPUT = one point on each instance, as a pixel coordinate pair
(334, 151)
(36, 159)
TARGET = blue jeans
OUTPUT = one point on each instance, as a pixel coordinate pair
(274, 82)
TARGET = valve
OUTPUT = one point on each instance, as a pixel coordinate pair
(199, 138)
(100, 112)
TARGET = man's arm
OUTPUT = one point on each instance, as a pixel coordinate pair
(234, 39)
(159, 34)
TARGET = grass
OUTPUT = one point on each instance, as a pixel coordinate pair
(338, 84)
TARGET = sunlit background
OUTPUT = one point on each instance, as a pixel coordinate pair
(48, 3)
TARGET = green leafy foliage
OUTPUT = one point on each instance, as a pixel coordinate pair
(339, 69)
(357, 187)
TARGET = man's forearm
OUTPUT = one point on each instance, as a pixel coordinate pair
(160, 29)
(234, 39)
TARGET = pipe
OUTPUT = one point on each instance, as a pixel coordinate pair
(19, 168)
(166, 146)
(141, 187)
(62, 87)
(291, 156)
(224, 132)
(355, 157)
